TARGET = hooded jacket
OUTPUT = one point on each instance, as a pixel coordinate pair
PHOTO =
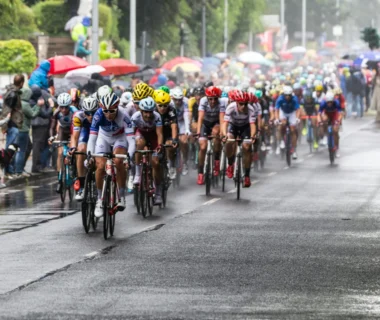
(39, 76)
(43, 118)
(81, 50)
(104, 54)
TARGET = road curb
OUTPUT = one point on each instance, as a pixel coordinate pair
(26, 180)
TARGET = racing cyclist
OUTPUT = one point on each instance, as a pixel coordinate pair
(310, 107)
(110, 126)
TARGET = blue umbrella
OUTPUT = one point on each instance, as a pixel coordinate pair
(375, 56)
(210, 64)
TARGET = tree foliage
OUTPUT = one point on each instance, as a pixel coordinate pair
(17, 56)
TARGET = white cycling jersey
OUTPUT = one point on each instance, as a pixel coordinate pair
(237, 118)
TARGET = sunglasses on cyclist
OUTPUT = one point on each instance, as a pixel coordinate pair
(64, 107)
(109, 111)
(89, 113)
(163, 105)
(177, 100)
(212, 99)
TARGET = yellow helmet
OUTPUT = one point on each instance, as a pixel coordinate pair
(319, 87)
(338, 91)
(259, 85)
(141, 91)
(161, 97)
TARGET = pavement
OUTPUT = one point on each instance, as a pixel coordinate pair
(302, 243)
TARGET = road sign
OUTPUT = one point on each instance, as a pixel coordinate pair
(309, 35)
(337, 31)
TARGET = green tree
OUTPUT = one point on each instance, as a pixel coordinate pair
(371, 36)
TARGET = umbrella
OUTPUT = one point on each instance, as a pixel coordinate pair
(85, 72)
(187, 67)
(121, 83)
(251, 57)
(211, 60)
(63, 64)
(286, 55)
(169, 65)
(73, 22)
(330, 44)
(367, 55)
(118, 67)
(271, 56)
(221, 55)
(297, 49)
(63, 85)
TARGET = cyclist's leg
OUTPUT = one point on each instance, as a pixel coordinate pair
(336, 129)
(102, 146)
(205, 132)
(183, 141)
(303, 117)
(157, 174)
(82, 147)
(247, 149)
(140, 145)
(315, 130)
(120, 147)
(293, 129)
(230, 149)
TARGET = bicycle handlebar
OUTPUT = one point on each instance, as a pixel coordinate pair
(108, 155)
(63, 141)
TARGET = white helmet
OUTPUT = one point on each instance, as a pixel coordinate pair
(109, 101)
(327, 80)
(125, 98)
(89, 104)
(329, 96)
(102, 91)
(288, 90)
(64, 100)
(176, 93)
(258, 72)
(296, 86)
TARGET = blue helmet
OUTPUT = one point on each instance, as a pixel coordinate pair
(147, 104)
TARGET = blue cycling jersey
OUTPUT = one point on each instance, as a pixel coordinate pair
(332, 107)
(287, 106)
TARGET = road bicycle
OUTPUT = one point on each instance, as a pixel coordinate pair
(288, 143)
(165, 179)
(330, 142)
(210, 178)
(238, 166)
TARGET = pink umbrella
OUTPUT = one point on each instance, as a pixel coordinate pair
(169, 65)
(63, 64)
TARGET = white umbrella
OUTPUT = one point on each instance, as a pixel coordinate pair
(85, 72)
(298, 49)
(73, 22)
(221, 55)
(251, 57)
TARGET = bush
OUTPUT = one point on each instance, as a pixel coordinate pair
(105, 20)
(17, 56)
(123, 46)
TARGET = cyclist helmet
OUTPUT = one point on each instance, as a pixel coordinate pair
(319, 87)
(129, 89)
(161, 97)
(208, 84)
(75, 94)
(252, 98)
(329, 96)
(308, 94)
(259, 85)
(302, 81)
(164, 88)
(338, 91)
(296, 86)
(231, 95)
(125, 98)
(141, 91)
(241, 96)
(224, 94)
(288, 90)
(259, 94)
(147, 104)
(177, 93)
(102, 91)
(64, 100)
(199, 91)
(109, 101)
(213, 92)
(89, 104)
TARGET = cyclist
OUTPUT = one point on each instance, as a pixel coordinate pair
(125, 99)
(183, 125)
(310, 107)
(318, 94)
(81, 131)
(239, 121)
(170, 127)
(61, 123)
(75, 98)
(287, 107)
(210, 114)
(110, 126)
(331, 111)
(148, 128)
(267, 109)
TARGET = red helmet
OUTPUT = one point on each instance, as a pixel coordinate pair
(213, 92)
(231, 95)
(241, 97)
(252, 98)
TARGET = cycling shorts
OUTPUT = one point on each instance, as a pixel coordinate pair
(104, 143)
(292, 117)
(206, 130)
(332, 116)
(84, 135)
(181, 127)
(64, 134)
(244, 132)
(150, 137)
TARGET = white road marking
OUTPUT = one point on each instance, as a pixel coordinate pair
(310, 155)
(51, 183)
(232, 191)
(35, 187)
(286, 168)
(92, 254)
(207, 203)
(271, 174)
(255, 181)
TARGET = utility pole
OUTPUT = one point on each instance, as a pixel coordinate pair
(182, 39)
(204, 28)
(304, 23)
(143, 45)
(132, 32)
(95, 31)
(282, 23)
(225, 25)
(337, 16)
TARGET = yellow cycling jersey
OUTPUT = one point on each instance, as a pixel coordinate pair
(191, 103)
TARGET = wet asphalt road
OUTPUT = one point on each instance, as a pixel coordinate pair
(301, 244)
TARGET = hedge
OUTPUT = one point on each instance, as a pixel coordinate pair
(52, 15)
(17, 56)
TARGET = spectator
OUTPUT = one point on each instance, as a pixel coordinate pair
(12, 105)
(159, 57)
(23, 137)
(375, 101)
(96, 81)
(162, 80)
(105, 54)
(80, 29)
(81, 46)
(40, 130)
(39, 76)
(358, 93)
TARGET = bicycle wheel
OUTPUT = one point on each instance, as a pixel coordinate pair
(70, 183)
(223, 170)
(150, 190)
(87, 202)
(112, 216)
(136, 198)
(238, 175)
(106, 197)
(331, 148)
(94, 198)
(288, 149)
(208, 174)
(164, 185)
(63, 180)
(143, 192)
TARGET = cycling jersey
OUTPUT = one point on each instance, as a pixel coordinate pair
(237, 118)
(211, 115)
(287, 106)
(333, 107)
(167, 120)
(141, 125)
(320, 98)
(80, 121)
(183, 118)
(257, 108)
(121, 124)
(64, 121)
(130, 109)
(309, 107)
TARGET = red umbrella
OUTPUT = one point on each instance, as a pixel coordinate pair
(169, 65)
(118, 67)
(330, 44)
(286, 55)
(63, 64)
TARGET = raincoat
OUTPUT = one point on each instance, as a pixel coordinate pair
(39, 76)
